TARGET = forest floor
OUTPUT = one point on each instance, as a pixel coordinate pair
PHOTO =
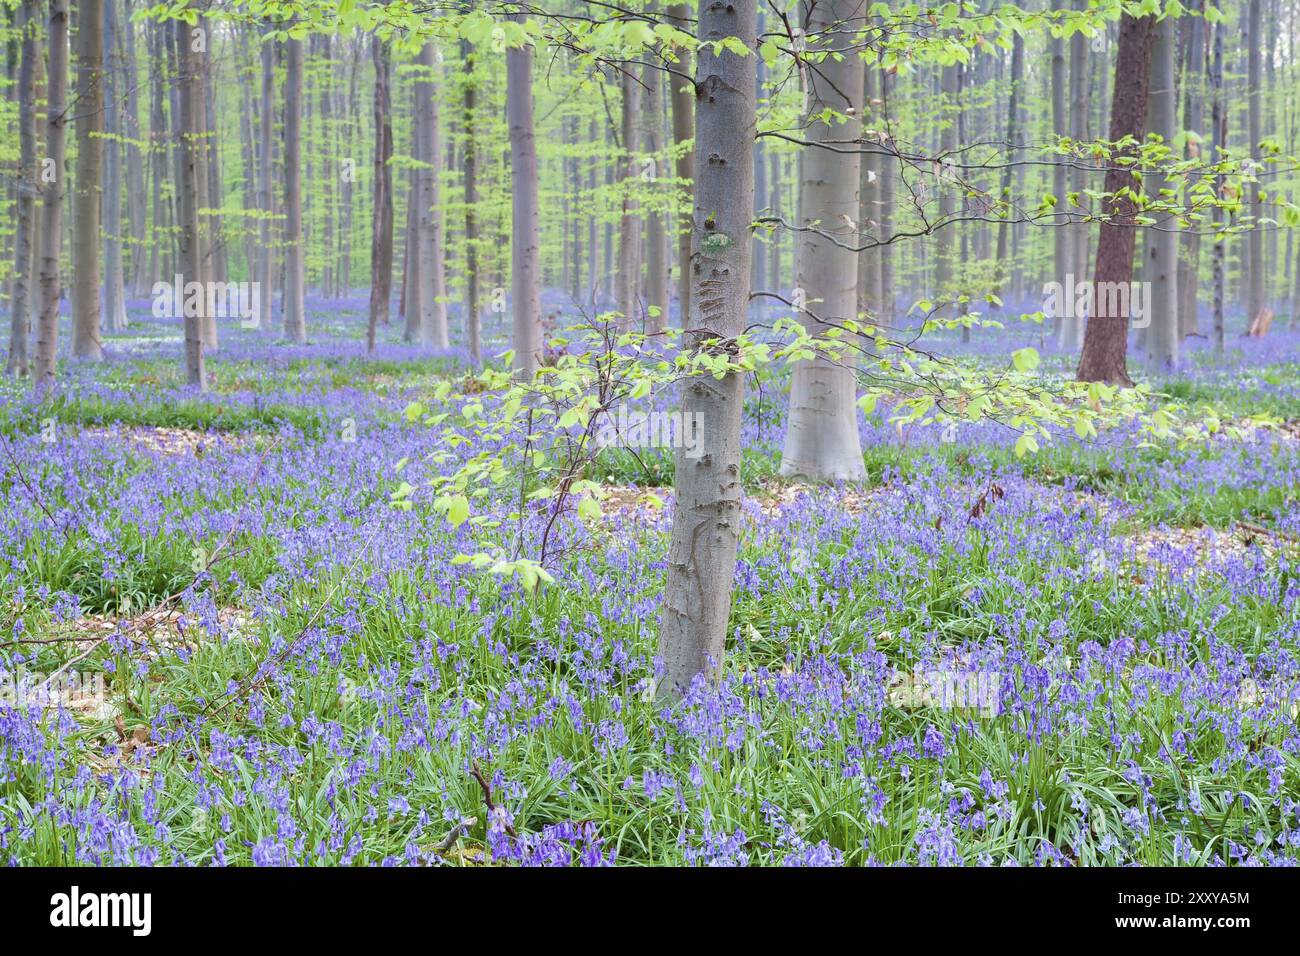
(221, 643)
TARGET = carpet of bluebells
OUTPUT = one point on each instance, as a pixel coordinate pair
(294, 671)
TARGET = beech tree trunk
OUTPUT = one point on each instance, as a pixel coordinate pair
(525, 239)
(295, 305)
(114, 282)
(433, 307)
(53, 175)
(1105, 342)
(473, 329)
(681, 100)
(89, 113)
(265, 195)
(629, 231)
(381, 241)
(1189, 258)
(20, 303)
(656, 238)
(1161, 269)
(190, 102)
(1256, 300)
(821, 438)
(706, 508)
(1219, 142)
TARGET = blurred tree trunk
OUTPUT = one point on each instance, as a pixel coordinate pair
(629, 232)
(1162, 265)
(1256, 300)
(114, 283)
(1189, 260)
(821, 439)
(682, 101)
(381, 234)
(473, 328)
(295, 305)
(525, 250)
(89, 119)
(20, 303)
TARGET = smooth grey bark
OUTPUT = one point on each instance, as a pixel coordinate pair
(1218, 143)
(1256, 300)
(20, 303)
(1189, 258)
(218, 259)
(381, 230)
(294, 305)
(137, 192)
(525, 240)
(156, 53)
(191, 148)
(265, 197)
(821, 438)
(868, 204)
(1062, 259)
(681, 99)
(656, 238)
(1013, 140)
(428, 227)
(628, 280)
(1079, 244)
(706, 507)
(944, 292)
(473, 327)
(114, 282)
(1162, 250)
(885, 217)
(197, 57)
(51, 228)
(89, 120)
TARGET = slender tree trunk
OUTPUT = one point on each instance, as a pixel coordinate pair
(89, 112)
(381, 243)
(629, 233)
(656, 237)
(433, 307)
(821, 438)
(1105, 343)
(53, 177)
(20, 307)
(1013, 140)
(888, 177)
(1189, 259)
(1256, 300)
(265, 196)
(114, 283)
(473, 330)
(1079, 231)
(525, 241)
(1219, 142)
(191, 147)
(947, 193)
(681, 100)
(1162, 266)
(706, 509)
(295, 306)
(1062, 261)
(137, 193)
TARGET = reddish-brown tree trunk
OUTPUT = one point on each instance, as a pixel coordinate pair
(1105, 343)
